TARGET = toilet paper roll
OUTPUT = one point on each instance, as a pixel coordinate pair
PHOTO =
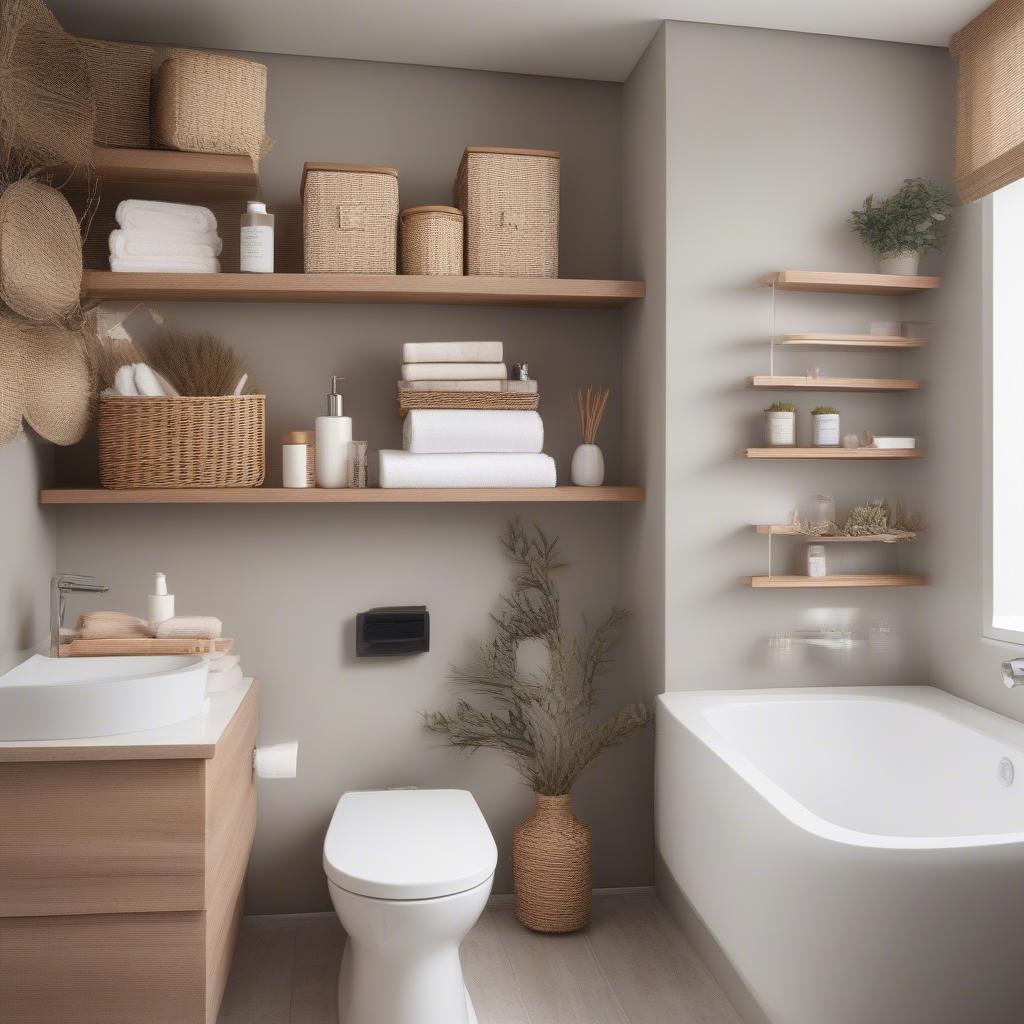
(281, 761)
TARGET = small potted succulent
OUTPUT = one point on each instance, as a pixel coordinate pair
(913, 220)
(825, 427)
(780, 425)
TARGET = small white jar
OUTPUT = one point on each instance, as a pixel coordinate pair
(298, 459)
(825, 430)
(779, 429)
(816, 563)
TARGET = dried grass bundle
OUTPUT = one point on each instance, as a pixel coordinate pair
(589, 407)
(879, 519)
(197, 365)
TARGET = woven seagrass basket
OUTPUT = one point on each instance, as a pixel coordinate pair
(182, 442)
(510, 201)
(349, 219)
(431, 240)
(409, 399)
(120, 74)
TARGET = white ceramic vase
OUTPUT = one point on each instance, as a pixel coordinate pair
(904, 263)
(587, 466)
(825, 430)
(780, 429)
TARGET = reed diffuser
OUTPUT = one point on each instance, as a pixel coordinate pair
(587, 460)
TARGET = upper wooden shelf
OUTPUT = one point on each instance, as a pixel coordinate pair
(769, 383)
(792, 582)
(455, 291)
(211, 173)
(872, 341)
(325, 496)
(841, 454)
(853, 284)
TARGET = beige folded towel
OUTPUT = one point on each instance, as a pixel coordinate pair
(112, 626)
(190, 627)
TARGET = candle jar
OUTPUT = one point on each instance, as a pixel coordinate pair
(298, 459)
(357, 464)
(823, 513)
(816, 564)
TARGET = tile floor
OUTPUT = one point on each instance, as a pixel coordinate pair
(631, 966)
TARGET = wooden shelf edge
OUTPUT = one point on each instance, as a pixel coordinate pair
(765, 382)
(832, 453)
(324, 496)
(216, 173)
(865, 341)
(780, 530)
(849, 282)
(798, 582)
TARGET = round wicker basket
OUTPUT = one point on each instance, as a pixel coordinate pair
(431, 238)
(58, 383)
(551, 867)
(120, 75)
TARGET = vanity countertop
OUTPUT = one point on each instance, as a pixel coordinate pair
(195, 738)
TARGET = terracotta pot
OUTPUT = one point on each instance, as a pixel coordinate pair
(551, 867)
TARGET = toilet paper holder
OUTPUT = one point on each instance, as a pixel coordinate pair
(386, 632)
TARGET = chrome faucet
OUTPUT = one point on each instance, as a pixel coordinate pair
(1013, 673)
(67, 583)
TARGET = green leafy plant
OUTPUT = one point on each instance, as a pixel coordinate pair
(781, 407)
(543, 720)
(915, 218)
(825, 410)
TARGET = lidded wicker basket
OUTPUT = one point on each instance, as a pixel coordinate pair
(510, 201)
(431, 239)
(120, 75)
(349, 219)
(182, 442)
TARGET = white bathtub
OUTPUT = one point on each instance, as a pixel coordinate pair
(856, 853)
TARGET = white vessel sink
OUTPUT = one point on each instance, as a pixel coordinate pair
(74, 698)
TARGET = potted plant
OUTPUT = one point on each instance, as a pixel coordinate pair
(825, 427)
(544, 721)
(780, 425)
(913, 220)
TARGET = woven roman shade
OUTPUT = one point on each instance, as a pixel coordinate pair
(990, 100)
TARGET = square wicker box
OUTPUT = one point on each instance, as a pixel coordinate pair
(431, 240)
(120, 74)
(509, 198)
(349, 219)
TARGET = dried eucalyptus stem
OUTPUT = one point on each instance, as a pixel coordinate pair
(589, 407)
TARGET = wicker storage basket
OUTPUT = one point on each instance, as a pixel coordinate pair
(181, 442)
(349, 219)
(210, 103)
(510, 200)
(517, 400)
(120, 74)
(431, 240)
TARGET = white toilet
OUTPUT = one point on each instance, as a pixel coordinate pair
(409, 871)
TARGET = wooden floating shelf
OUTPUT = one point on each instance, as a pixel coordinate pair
(833, 453)
(872, 341)
(847, 283)
(214, 173)
(78, 648)
(780, 530)
(454, 291)
(796, 582)
(344, 496)
(769, 383)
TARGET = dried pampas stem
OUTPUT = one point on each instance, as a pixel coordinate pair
(589, 407)
(198, 365)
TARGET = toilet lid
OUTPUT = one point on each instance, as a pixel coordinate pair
(409, 844)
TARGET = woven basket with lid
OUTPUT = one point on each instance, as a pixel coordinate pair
(120, 75)
(349, 219)
(510, 201)
(431, 239)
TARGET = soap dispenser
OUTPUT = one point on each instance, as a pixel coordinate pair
(161, 604)
(333, 441)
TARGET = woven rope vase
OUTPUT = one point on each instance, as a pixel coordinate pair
(551, 867)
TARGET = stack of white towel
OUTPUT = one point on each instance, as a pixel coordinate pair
(164, 238)
(465, 447)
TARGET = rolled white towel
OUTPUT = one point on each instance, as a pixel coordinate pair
(173, 245)
(152, 215)
(148, 382)
(436, 431)
(404, 469)
(453, 352)
(454, 371)
(133, 266)
(124, 381)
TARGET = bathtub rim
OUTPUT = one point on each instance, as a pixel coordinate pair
(687, 707)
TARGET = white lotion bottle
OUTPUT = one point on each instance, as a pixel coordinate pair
(333, 442)
(161, 604)
(256, 254)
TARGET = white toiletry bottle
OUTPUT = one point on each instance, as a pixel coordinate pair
(161, 604)
(256, 255)
(333, 442)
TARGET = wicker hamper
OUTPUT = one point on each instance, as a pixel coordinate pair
(431, 239)
(181, 442)
(510, 201)
(120, 75)
(349, 219)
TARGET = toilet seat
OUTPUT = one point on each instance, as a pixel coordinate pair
(409, 844)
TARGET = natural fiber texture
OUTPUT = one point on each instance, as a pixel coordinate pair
(120, 75)
(350, 222)
(989, 55)
(58, 383)
(589, 407)
(432, 241)
(510, 202)
(211, 103)
(409, 399)
(181, 442)
(12, 379)
(551, 867)
(47, 109)
(40, 252)
(197, 365)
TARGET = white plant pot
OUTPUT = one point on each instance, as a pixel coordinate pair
(903, 263)
(780, 429)
(826, 430)
(587, 466)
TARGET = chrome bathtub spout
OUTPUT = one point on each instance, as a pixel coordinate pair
(67, 583)
(1013, 673)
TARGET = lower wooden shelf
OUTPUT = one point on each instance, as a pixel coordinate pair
(324, 496)
(796, 582)
(770, 383)
(832, 453)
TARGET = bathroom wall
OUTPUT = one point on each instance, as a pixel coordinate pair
(288, 581)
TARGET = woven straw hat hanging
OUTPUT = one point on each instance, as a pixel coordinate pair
(58, 383)
(12, 389)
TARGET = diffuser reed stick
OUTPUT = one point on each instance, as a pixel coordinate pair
(589, 407)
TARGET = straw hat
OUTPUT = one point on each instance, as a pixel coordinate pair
(58, 383)
(12, 389)
(40, 252)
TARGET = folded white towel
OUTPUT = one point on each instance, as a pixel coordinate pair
(453, 352)
(404, 469)
(217, 682)
(180, 246)
(454, 371)
(434, 431)
(151, 215)
(134, 266)
(522, 387)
